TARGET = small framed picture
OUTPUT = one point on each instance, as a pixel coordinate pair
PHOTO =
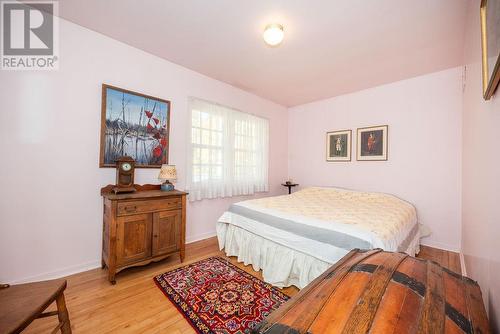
(338, 145)
(372, 143)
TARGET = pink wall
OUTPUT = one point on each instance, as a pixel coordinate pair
(424, 117)
(50, 212)
(481, 176)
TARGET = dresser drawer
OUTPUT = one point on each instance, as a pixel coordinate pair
(133, 207)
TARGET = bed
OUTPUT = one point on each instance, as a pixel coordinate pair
(294, 238)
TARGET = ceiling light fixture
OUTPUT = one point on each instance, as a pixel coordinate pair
(273, 34)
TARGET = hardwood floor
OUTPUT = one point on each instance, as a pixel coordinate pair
(136, 305)
(447, 259)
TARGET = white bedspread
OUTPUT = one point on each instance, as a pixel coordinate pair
(382, 220)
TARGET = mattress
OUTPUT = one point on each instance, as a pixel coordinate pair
(326, 223)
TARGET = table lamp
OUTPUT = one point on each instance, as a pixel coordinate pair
(167, 174)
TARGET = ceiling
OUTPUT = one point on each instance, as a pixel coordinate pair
(331, 47)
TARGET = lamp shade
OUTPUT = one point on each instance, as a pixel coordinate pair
(168, 172)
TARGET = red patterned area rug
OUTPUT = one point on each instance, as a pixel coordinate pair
(217, 297)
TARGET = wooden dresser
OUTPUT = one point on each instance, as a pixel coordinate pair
(382, 292)
(142, 227)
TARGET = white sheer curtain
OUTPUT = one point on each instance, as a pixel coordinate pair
(228, 153)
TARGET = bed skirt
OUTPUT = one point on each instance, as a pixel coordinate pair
(281, 266)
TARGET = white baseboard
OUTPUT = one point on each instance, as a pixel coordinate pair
(97, 264)
(440, 246)
(200, 237)
(89, 266)
(462, 264)
(60, 272)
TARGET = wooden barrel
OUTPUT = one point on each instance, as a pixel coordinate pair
(382, 292)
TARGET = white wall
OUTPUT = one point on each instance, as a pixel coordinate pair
(424, 118)
(481, 176)
(50, 209)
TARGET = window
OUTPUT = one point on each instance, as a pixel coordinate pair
(228, 155)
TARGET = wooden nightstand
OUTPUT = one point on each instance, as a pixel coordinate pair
(142, 227)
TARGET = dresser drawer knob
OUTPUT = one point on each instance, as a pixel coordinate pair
(131, 208)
